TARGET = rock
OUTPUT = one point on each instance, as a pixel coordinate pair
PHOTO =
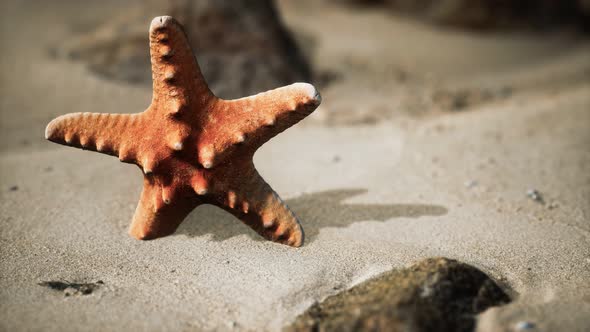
(436, 294)
(242, 45)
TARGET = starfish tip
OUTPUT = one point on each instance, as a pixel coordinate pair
(139, 234)
(310, 91)
(297, 238)
(51, 129)
(296, 243)
(48, 132)
(162, 22)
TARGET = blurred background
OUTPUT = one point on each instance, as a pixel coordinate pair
(373, 60)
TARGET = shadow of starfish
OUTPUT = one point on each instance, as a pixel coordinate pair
(315, 210)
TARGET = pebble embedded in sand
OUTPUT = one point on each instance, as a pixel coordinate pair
(470, 184)
(535, 195)
(524, 326)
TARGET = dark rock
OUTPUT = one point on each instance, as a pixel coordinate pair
(241, 45)
(436, 294)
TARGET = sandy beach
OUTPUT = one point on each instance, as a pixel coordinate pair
(428, 142)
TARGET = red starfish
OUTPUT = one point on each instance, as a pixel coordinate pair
(194, 148)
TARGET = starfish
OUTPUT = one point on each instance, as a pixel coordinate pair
(193, 147)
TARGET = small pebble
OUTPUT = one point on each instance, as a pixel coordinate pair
(535, 195)
(470, 183)
(13, 188)
(524, 326)
(552, 205)
(70, 291)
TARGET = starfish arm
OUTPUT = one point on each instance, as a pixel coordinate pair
(255, 203)
(266, 114)
(101, 132)
(160, 211)
(175, 72)
(249, 122)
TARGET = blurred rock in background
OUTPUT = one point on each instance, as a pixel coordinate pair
(241, 45)
(486, 14)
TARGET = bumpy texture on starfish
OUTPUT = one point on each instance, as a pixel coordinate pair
(194, 148)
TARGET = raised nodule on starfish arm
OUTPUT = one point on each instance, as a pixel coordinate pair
(101, 132)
